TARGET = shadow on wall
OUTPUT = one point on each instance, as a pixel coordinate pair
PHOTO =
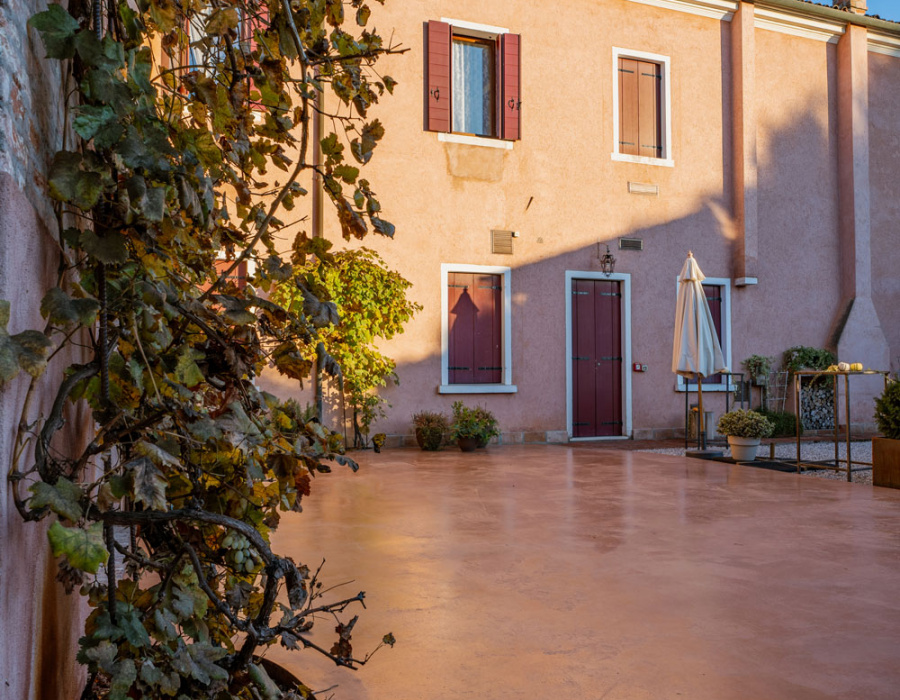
(796, 300)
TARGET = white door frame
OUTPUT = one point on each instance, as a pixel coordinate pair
(625, 279)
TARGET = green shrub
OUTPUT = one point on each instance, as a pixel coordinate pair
(803, 357)
(887, 411)
(746, 424)
(785, 422)
(475, 422)
(430, 420)
(758, 366)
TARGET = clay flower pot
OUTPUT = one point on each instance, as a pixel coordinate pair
(467, 444)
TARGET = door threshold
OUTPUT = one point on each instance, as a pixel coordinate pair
(599, 437)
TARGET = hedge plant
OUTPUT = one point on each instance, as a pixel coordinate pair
(186, 155)
(887, 411)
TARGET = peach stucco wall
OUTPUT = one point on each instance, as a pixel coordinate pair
(559, 188)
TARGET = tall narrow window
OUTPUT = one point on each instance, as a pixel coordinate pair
(642, 129)
(475, 306)
(473, 86)
(473, 81)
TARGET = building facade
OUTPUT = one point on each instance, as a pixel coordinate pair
(523, 142)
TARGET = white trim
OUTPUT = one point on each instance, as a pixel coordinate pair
(643, 160)
(715, 9)
(506, 386)
(475, 140)
(625, 279)
(725, 284)
(666, 91)
(886, 44)
(797, 25)
(482, 31)
(477, 389)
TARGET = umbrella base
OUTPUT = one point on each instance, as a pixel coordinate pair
(705, 454)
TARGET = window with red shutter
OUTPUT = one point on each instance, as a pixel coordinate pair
(473, 81)
(641, 129)
(475, 307)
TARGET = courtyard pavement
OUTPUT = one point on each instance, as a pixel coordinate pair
(549, 572)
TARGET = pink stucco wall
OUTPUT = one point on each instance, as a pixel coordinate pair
(559, 188)
(41, 625)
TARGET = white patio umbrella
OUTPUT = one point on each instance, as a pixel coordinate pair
(696, 350)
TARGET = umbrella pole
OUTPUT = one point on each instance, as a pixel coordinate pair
(701, 427)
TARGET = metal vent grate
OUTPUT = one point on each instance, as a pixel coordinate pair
(643, 188)
(502, 242)
(631, 244)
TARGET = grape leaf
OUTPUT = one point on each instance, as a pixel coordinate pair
(62, 498)
(83, 547)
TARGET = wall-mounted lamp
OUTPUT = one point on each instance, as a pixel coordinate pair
(607, 262)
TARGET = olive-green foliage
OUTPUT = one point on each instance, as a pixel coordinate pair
(173, 167)
(758, 366)
(785, 422)
(803, 357)
(887, 411)
(432, 420)
(470, 422)
(371, 301)
(745, 423)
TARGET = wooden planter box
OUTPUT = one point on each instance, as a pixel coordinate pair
(886, 462)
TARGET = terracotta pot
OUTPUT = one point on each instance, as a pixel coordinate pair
(743, 449)
(467, 444)
(429, 439)
(886, 462)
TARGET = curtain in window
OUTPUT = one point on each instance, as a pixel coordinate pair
(473, 87)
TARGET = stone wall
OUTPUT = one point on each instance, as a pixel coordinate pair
(41, 624)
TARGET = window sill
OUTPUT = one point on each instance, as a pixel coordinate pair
(475, 140)
(478, 389)
(643, 160)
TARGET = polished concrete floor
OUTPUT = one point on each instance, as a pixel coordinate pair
(546, 572)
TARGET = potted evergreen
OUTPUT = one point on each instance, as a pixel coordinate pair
(744, 429)
(886, 449)
(472, 426)
(430, 427)
(758, 367)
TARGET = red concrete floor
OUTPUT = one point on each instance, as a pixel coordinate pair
(549, 572)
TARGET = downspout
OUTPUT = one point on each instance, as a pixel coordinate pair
(317, 202)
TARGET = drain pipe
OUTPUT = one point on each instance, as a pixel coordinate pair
(317, 204)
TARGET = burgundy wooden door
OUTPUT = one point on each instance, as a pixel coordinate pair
(596, 358)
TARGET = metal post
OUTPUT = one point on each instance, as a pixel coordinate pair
(847, 404)
(835, 395)
(797, 401)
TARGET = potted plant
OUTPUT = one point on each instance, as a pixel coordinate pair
(744, 429)
(430, 427)
(886, 449)
(758, 367)
(472, 426)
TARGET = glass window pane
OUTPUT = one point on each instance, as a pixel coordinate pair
(473, 87)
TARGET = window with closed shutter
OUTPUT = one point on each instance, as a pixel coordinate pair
(475, 308)
(473, 81)
(640, 119)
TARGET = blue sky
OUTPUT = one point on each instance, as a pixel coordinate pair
(886, 9)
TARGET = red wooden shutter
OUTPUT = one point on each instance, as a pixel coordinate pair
(649, 87)
(628, 106)
(461, 309)
(488, 359)
(249, 27)
(437, 81)
(714, 300)
(475, 332)
(510, 91)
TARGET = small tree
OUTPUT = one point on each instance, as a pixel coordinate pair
(173, 169)
(372, 304)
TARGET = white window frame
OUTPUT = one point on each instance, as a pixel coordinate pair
(625, 279)
(476, 31)
(665, 109)
(725, 284)
(505, 386)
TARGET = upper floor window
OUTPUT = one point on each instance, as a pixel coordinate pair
(473, 81)
(642, 123)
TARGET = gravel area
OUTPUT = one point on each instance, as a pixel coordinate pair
(810, 452)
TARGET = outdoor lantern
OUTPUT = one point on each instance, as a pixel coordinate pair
(607, 262)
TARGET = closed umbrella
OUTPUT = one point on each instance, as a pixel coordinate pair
(696, 350)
